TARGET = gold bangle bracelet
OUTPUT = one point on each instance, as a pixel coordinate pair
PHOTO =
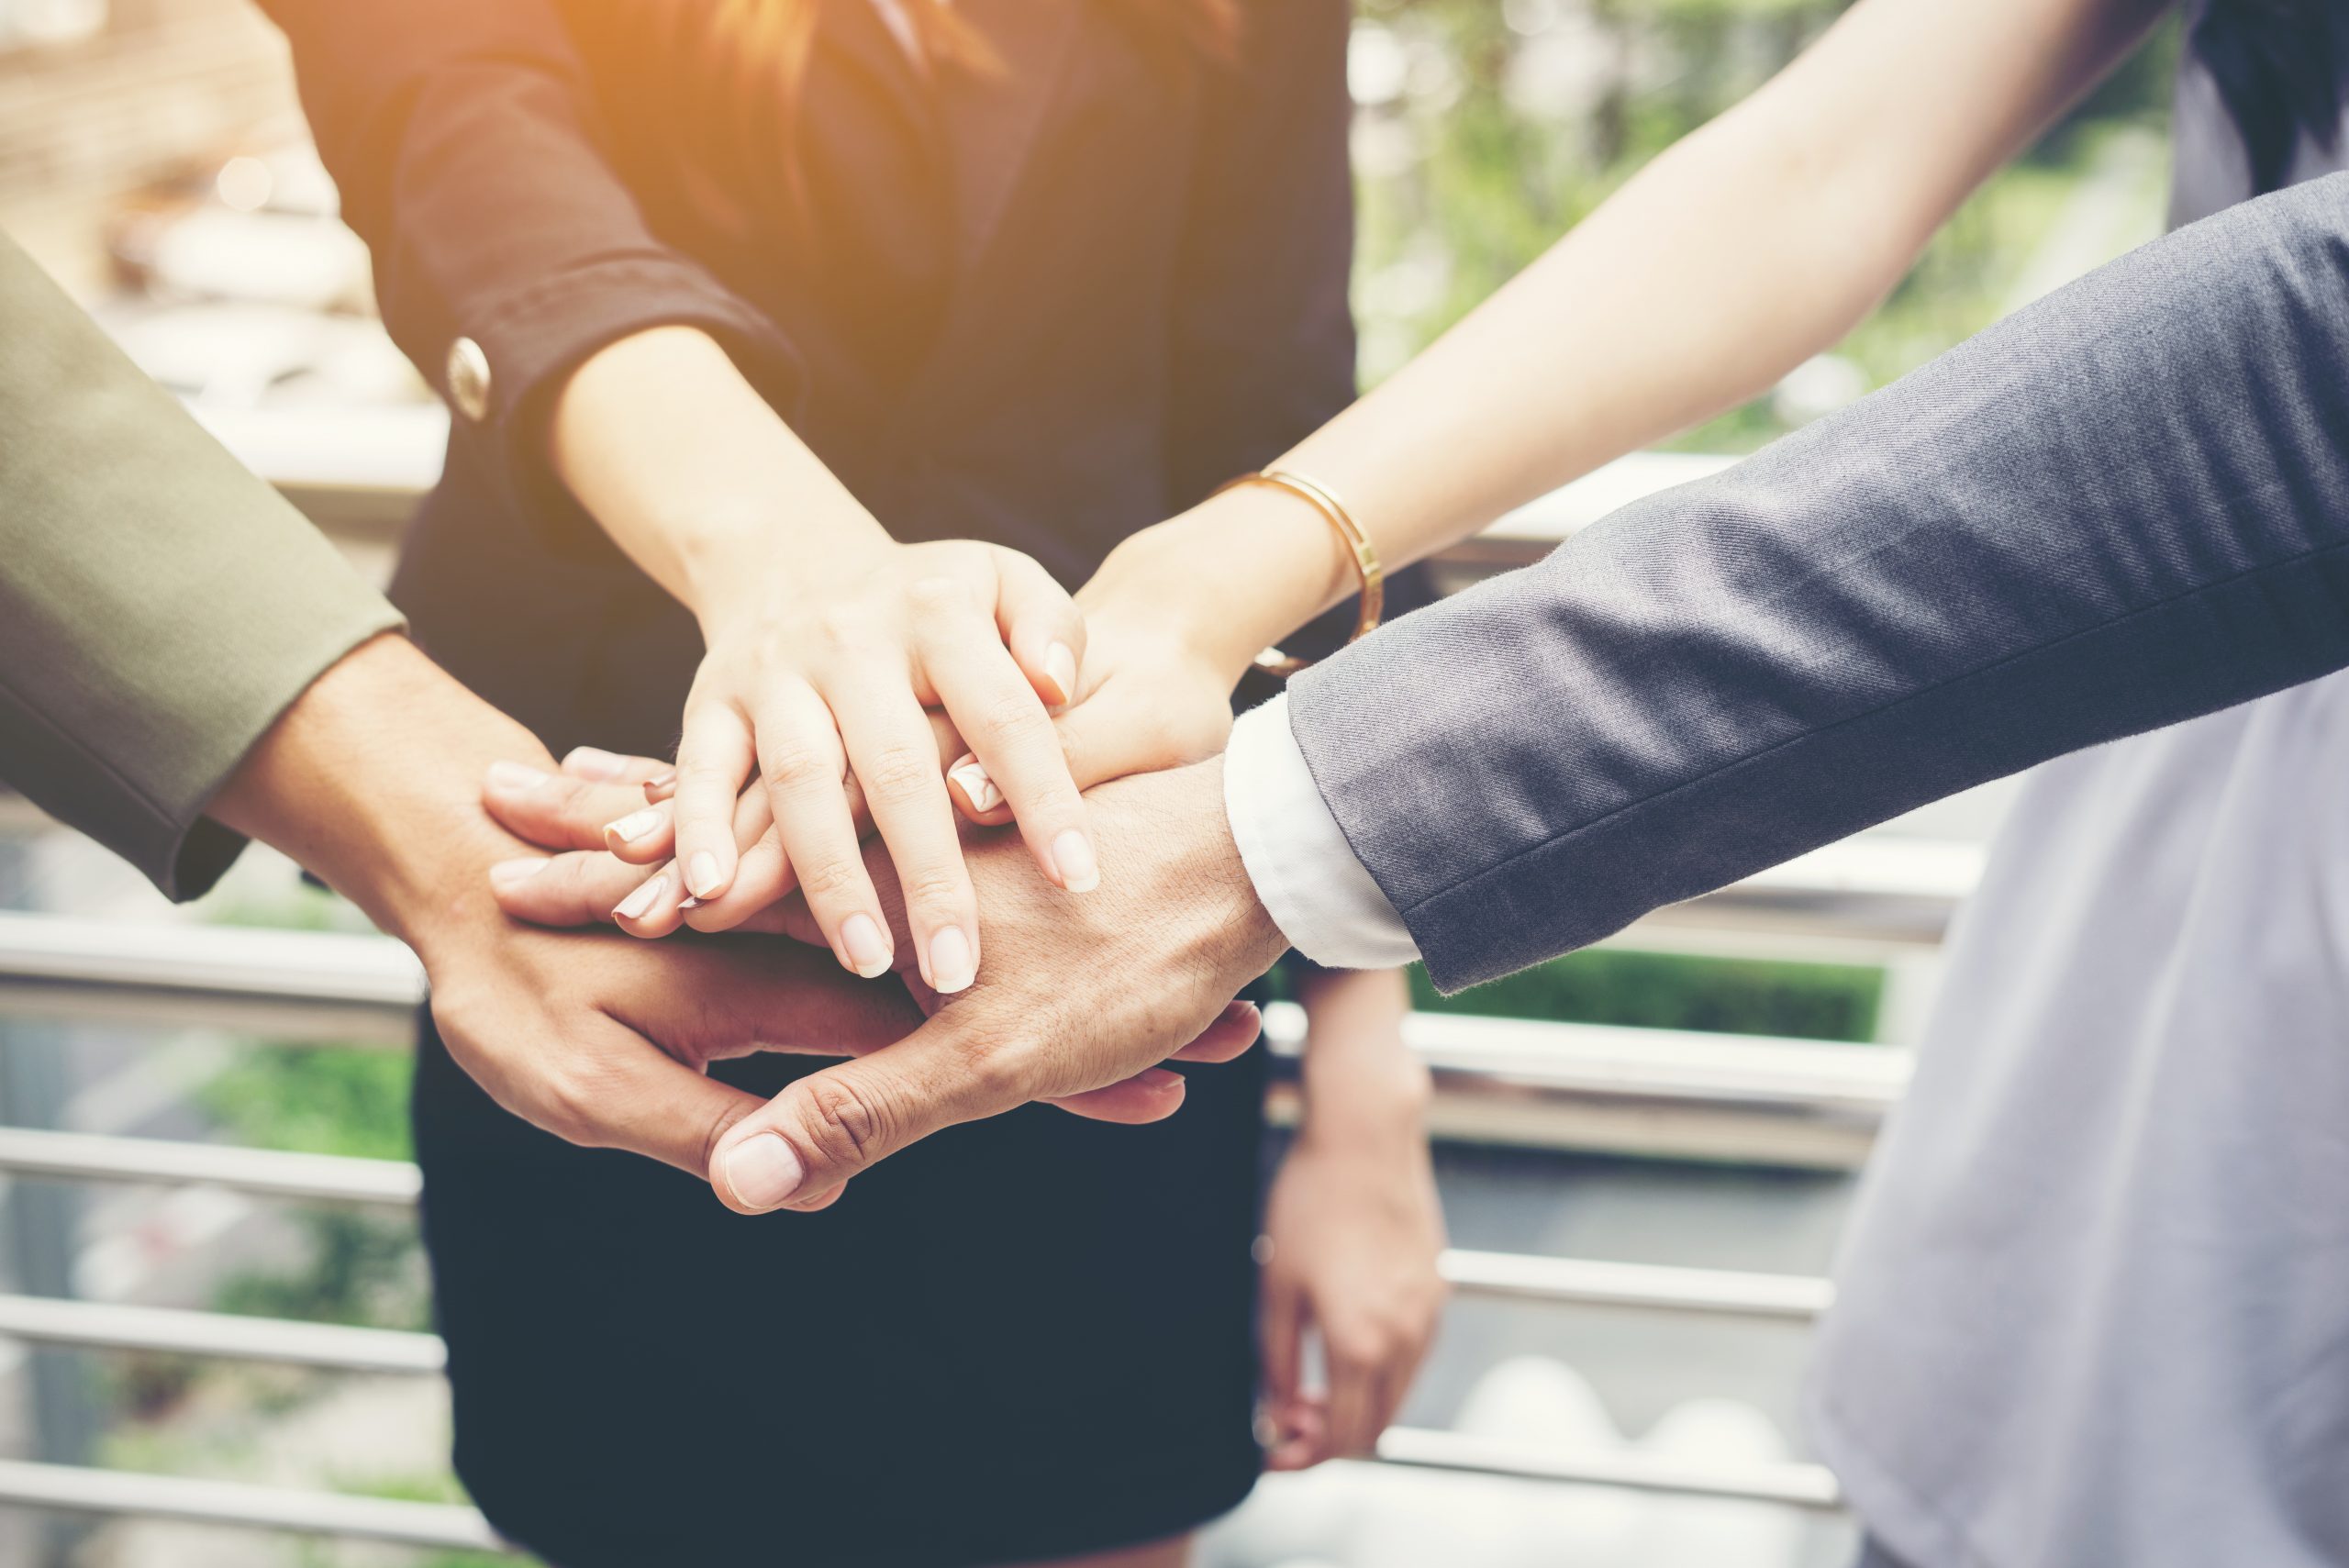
(1366, 558)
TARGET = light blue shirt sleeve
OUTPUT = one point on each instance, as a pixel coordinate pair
(1306, 874)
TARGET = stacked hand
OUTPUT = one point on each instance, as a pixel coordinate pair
(1147, 697)
(1083, 997)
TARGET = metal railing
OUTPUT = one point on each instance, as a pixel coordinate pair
(1497, 1080)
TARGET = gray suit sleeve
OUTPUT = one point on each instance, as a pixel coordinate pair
(2125, 506)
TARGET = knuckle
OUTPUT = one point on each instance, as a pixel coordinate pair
(1356, 1345)
(698, 774)
(937, 596)
(897, 774)
(847, 1124)
(1015, 720)
(799, 767)
(999, 1074)
(829, 881)
(570, 1099)
(844, 625)
(932, 888)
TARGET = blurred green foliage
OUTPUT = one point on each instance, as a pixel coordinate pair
(1490, 128)
(1669, 991)
(361, 1267)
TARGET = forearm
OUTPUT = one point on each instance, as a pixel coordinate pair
(1751, 245)
(1363, 1085)
(696, 477)
(371, 780)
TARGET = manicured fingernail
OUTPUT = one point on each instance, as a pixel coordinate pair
(1072, 858)
(594, 762)
(686, 904)
(951, 967)
(514, 775)
(701, 874)
(509, 873)
(762, 1170)
(1060, 664)
(634, 826)
(977, 787)
(635, 904)
(660, 788)
(868, 949)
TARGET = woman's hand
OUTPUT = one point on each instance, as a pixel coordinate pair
(1155, 692)
(821, 678)
(827, 639)
(1355, 1230)
(568, 811)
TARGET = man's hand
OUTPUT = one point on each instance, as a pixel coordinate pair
(371, 780)
(1077, 992)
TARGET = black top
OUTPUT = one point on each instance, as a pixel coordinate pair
(1047, 310)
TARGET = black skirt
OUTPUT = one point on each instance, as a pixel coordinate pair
(1023, 1338)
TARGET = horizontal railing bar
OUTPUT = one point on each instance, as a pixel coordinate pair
(1809, 1486)
(78, 1490)
(336, 1347)
(331, 1178)
(245, 962)
(1583, 1282)
(1750, 1072)
(109, 1326)
(74, 1489)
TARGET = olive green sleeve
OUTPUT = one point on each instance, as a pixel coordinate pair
(159, 605)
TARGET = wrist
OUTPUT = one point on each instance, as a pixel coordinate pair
(371, 780)
(697, 478)
(1211, 879)
(1351, 1096)
(740, 568)
(1242, 571)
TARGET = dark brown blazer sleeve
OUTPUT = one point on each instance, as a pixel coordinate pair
(465, 139)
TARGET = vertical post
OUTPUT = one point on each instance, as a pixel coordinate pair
(39, 1224)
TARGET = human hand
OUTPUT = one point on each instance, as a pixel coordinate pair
(1155, 691)
(1354, 1227)
(577, 886)
(826, 641)
(821, 678)
(1077, 993)
(370, 780)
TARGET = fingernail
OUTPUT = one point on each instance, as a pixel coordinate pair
(701, 874)
(635, 904)
(686, 904)
(634, 826)
(975, 784)
(868, 950)
(762, 1170)
(660, 788)
(514, 775)
(594, 762)
(508, 874)
(951, 968)
(1060, 664)
(1072, 858)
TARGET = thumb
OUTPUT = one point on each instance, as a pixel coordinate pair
(831, 1126)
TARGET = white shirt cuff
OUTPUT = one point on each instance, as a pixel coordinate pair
(1306, 875)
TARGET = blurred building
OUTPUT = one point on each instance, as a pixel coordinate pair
(99, 98)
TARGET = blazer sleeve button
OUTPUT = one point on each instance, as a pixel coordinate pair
(468, 380)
